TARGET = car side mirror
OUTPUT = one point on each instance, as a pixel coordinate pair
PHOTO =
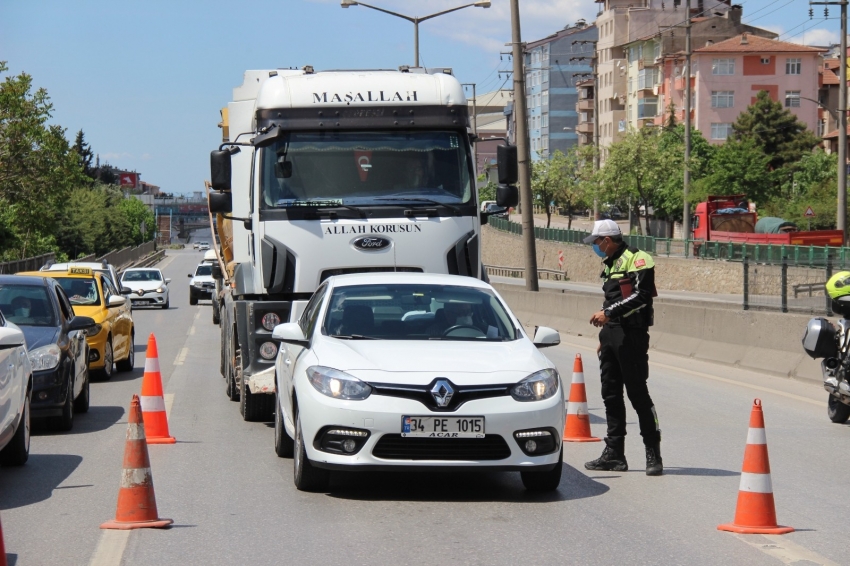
(189, 276)
(289, 333)
(167, 280)
(507, 196)
(545, 337)
(506, 159)
(126, 290)
(81, 323)
(220, 171)
(115, 301)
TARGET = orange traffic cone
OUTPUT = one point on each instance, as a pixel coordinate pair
(756, 512)
(2, 548)
(136, 499)
(153, 404)
(577, 426)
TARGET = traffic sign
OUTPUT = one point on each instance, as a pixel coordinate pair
(560, 259)
(809, 212)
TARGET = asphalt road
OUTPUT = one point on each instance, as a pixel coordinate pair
(233, 500)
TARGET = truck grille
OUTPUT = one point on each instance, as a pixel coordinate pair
(395, 447)
(388, 269)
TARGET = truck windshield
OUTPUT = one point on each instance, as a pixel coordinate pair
(365, 168)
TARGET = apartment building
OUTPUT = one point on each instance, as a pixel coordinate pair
(586, 111)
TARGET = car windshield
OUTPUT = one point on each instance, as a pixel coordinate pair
(417, 312)
(26, 305)
(364, 168)
(80, 291)
(146, 275)
(203, 269)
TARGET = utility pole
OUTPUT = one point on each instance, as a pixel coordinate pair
(686, 181)
(841, 216)
(521, 114)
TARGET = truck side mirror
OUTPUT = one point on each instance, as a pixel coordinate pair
(507, 196)
(221, 202)
(220, 170)
(506, 157)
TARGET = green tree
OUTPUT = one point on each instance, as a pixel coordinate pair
(738, 167)
(669, 202)
(778, 132)
(552, 180)
(140, 218)
(85, 155)
(812, 183)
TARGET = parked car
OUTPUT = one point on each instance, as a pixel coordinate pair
(408, 370)
(496, 211)
(98, 267)
(201, 284)
(92, 294)
(56, 345)
(147, 285)
(16, 393)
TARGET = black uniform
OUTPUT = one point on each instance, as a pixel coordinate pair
(629, 286)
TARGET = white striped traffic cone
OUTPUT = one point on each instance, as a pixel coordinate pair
(153, 403)
(756, 510)
(577, 425)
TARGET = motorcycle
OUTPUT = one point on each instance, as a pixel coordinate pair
(823, 340)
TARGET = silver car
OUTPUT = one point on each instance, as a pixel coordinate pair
(147, 286)
(15, 395)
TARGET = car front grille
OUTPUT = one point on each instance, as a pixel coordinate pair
(396, 447)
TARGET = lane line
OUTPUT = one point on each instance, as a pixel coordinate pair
(718, 378)
(182, 356)
(110, 548)
(169, 400)
(191, 330)
(787, 552)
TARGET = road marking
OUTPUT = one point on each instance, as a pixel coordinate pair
(198, 314)
(718, 378)
(787, 552)
(110, 548)
(181, 357)
(191, 330)
(169, 400)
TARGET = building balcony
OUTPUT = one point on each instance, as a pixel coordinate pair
(585, 128)
(585, 105)
(679, 83)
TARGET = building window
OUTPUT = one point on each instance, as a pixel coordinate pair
(546, 76)
(722, 99)
(647, 107)
(546, 98)
(630, 113)
(722, 66)
(545, 120)
(721, 131)
(793, 66)
(765, 60)
(656, 51)
(792, 99)
(545, 142)
(632, 55)
(647, 78)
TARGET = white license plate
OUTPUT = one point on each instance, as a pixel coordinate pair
(442, 427)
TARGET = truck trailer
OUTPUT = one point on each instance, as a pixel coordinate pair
(334, 172)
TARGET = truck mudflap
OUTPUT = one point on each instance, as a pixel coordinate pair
(262, 382)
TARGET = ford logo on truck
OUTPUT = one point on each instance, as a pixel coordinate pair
(371, 243)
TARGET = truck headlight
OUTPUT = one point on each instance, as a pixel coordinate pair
(337, 384)
(537, 386)
(46, 357)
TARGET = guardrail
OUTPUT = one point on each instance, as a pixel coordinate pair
(27, 264)
(519, 272)
(118, 258)
(122, 258)
(769, 254)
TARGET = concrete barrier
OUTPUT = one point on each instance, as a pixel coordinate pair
(766, 342)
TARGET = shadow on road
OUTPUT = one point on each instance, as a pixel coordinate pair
(458, 487)
(698, 472)
(11, 559)
(120, 376)
(36, 480)
(97, 419)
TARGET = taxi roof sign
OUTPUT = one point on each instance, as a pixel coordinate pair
(80, 270)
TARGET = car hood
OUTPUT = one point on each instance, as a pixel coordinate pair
(97, 312)
(38, 336)
(146, 285)
(369, 359)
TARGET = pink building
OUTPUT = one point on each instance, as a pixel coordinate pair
(728, 75)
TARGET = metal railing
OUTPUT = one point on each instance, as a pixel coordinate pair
(123, 258)
(519, 273)
(26, 264)
(769, 254)
(119, 258)
(767, 286)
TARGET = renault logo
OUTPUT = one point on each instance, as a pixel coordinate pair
(442, 393)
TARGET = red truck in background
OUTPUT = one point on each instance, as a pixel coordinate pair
(730, 218)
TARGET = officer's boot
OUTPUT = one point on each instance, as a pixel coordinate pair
(654, 465)
(612, 460)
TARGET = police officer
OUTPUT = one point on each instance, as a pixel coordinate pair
(628, 281)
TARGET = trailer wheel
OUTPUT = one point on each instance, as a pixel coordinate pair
(232, 382)
(256, 407)
(837, 411)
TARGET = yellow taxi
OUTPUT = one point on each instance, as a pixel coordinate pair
(91, 294)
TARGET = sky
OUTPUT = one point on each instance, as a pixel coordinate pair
(145, 80)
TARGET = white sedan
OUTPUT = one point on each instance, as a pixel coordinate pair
(408, 371)
(147, 286)
(15, 395)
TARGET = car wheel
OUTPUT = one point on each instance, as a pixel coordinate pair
(284, 446)
(130, 362)
(837, 411)
(216, 314)
(65, 421)
(255, 407)
(307, 477)
(17, 451)
(232, 386)
(108, 361)
(544, 481)
(193, 298)
(82, 402)
(166, 305)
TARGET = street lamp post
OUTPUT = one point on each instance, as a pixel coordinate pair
(416, 19)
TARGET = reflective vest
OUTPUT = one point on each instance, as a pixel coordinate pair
(628, 282)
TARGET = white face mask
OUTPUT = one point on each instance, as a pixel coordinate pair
(464, 320)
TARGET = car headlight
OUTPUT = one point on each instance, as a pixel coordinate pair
(46, 357)
(197, 283)
(159, 289)
(337, 384)
(94, 330)
(537, 386)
